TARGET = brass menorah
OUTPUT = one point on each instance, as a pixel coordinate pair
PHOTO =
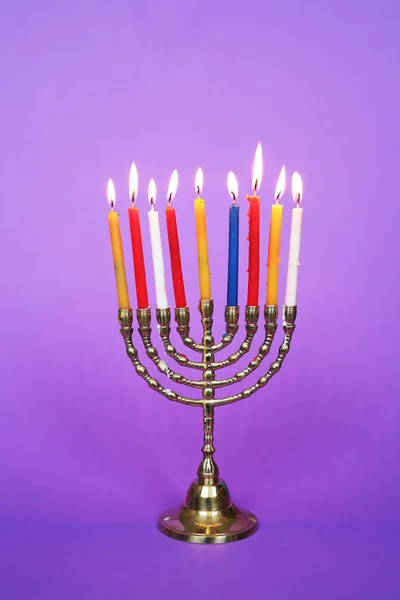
(208, 514)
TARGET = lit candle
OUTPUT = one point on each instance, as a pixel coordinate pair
(233, 251)
(156, 250)
(202, 245)
(136, 239)
(295, 236)
(117, 250)
(275, 241)
(173, 241)
(254, 232)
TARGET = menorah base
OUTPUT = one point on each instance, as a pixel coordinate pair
(208, 517)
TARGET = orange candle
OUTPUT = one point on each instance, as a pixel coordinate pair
(275, 242)
(117, 250)
(202, 243)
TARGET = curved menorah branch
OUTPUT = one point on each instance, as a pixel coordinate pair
(125, 319)
(290, 313)
(144, 322)
(208, 384)
(182, 318)
(164, 319)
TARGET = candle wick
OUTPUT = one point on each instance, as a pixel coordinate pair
(298, 200)
(198, 191)
(169, 199)
(234, 198)
(112, 205)
(255, 185)
(277, 197)
(133, 198)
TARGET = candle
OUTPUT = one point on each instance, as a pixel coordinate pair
(117, 250)
(275, 241)
(233, 251)
(295, 236)
(156, 250)
(202, 245)
(254, 232)
(136, 239)
(173, 241)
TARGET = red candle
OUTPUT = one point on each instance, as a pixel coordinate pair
(254, 232)
(254, 250)
(137, 246)
(174, 250)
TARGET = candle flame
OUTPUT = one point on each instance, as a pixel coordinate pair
(198, 183)
(133, 182)
(257, 168)
(152, 192)
(111, 193)
(280, 186)
(232, 185)
(297, 188)
(173, 186)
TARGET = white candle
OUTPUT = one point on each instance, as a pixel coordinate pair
(156, 250)
(295, 237)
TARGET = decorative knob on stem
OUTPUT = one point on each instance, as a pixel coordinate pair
(208, 472)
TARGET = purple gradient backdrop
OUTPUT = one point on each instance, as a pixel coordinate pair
(87, 87)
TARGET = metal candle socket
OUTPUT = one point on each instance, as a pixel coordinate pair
(208, 515)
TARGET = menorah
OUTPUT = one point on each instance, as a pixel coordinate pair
(208, 514)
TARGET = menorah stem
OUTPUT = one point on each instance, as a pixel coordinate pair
(208, 470)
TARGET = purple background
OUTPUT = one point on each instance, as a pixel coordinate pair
(87, 87)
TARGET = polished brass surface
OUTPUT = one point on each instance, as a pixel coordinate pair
(208, 515)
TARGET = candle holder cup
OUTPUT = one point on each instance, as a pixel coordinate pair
(208, 515)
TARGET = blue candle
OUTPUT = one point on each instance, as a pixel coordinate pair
(233, 256)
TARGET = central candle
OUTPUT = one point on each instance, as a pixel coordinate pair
(254, 232)
(202, 244)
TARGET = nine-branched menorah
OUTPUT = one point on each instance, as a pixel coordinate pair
(208, 514)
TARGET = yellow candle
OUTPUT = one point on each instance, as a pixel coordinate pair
(275, 242)
(202, 244)
(117, 251)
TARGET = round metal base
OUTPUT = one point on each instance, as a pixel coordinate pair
(208, 517)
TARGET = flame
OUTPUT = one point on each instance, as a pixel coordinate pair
(198, 182)
(257, 168)
(111, 193)
(297, 187)
(152, 192)
(232, 185)
(280, 186)
(133, 182)
(173, 186)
